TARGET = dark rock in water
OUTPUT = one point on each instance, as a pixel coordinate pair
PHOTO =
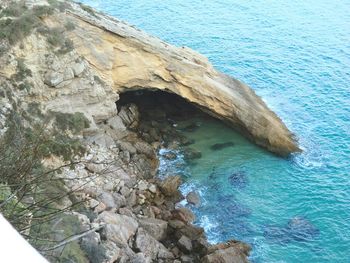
(191, 154)
(184, 141)
(301, 229)
(238, 179)
(192, 127)
(169, 156)
(277, 234)
(236, 209)
(297, 229)
(220, 146)
(193, 198)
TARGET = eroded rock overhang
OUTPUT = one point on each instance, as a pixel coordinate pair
(129, 59)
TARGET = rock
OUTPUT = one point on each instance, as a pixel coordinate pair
(301, 229)
(169, 155)
(150, 247)
(118, 228)
(142, 185)
(145, 148)
(129, 115)
(125, 191)
(125, 211)
(192, 127)
(139, 258)
(191, 231)
(185, 244)
(53, 79)
(220, 146)
(170, 185)
(238, 179)
(230, 252)
(178, 70)
(176, 224)
(277, 234)
(228, 255)
(127, 147)
(152, 188)
(119, 200)
(132, 199)
(93, 203)
(78, 69)
(191, 154)
(298, 229)
(201, 246)
(155, 227)
(187, 259)
(107, 199)
(193, 198)
(183, 214)
(68, 74)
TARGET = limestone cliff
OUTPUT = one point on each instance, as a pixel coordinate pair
(126, 58)
(129, 59)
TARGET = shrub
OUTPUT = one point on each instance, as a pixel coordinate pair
(22, 71)
(17, 29)
(88, 9)
(74, 122)
(42, 11)
(14, 10)
(69, 25)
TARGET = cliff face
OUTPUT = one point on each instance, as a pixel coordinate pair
(129, 59)
(126, 58)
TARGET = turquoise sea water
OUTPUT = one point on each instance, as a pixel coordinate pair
(296, 55)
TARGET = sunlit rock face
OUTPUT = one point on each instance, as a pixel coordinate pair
(129, 59)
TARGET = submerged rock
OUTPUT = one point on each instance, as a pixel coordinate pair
(220, 146)
(238, 179)
(191, 154)
(297, 229)
(302, 229)
(192, 127)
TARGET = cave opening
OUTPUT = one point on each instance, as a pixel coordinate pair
(158, 105)
(163, 116)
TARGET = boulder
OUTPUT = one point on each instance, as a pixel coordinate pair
(193, 198)
(191, 154)
(170, 185)
(118, 228)
(53, 79)
(150, 247)
(185, 244)
(107, 199)
(183, 214)
(129, 115)
(155, 227)
(230, 252)
(78, 69)
(220, 146)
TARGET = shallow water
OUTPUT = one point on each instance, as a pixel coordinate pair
(296, 55)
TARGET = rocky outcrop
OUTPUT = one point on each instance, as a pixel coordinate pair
(129, 59)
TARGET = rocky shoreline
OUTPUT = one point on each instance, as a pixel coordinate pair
(99, 80)
(138, 212)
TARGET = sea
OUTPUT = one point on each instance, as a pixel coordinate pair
(296, 55)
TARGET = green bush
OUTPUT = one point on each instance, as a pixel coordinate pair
(22, 71)
(69, 25)
(15, 30)
(14, 10)
(74, 122)
(42, 11)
